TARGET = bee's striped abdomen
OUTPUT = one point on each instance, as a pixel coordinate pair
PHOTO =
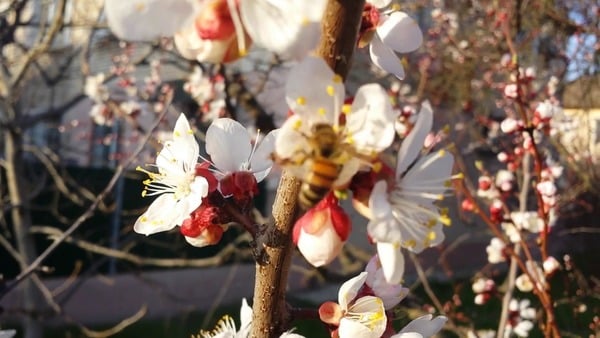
(318, 181)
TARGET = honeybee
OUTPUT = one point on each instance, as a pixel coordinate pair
(322, 163)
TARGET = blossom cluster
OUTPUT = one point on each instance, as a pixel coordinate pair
(332, 143)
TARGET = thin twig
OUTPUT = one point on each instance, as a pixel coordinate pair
(86, 215)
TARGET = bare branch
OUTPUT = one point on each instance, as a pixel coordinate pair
(40, 48)
(218, 259)
(86, 215)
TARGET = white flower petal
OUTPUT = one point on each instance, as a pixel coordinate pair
(162, 215)
(408, 335)
(261, 162)
(392, 261)
(198, 242)
(425, 325)
(378, 201)
(413, 143)
(385, 58)
(228, 144)
(371, 119)
(245, 315)
(289, 140)
(352, 329)
(145, 20)
(400, 32)
(429, 178)
(290, 28)
(380, 3)
(349, 289)
(290, 334)
(314, 92)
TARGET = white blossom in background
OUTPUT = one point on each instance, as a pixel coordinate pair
(423, 327)
(209, 94)
(101, 115)
(316, 96)
(95, 89)
(550, 265)
(406, 215)
(505, 180)
(388, 33)
(521, 317)
(495, 251)
(145, 20)
(524, 282)
(179, 191)
(527, 220)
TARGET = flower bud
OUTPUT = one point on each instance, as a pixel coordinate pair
(322, 231)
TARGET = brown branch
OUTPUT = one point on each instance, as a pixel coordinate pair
(32, 267)
(41, 47)
(117, 328)
(340, 26)
(218, 259)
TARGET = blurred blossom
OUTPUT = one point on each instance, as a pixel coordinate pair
(511, 91)
(95, 89)
(505, 180)
(495, 251)
(520, 318)
(550, 265)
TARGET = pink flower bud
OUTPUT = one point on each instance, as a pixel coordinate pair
(485, 182)
(322, 231)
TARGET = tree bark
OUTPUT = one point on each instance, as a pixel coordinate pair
(341, 23)
(33, 301)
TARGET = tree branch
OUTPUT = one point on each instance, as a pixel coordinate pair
(271, 314)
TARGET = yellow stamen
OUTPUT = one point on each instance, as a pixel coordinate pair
(330, 90)
(337, 79)
(411, 243)
(176, 133)
(297, 124)
(301, 100)
(445, 220)
(377, 167)
(431, 236)
(346, 108)
(321, 111)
